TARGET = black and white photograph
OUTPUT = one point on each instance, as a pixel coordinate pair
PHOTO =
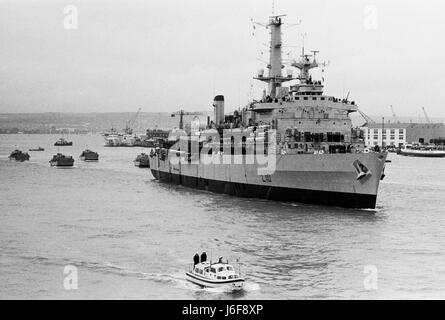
(239, 151)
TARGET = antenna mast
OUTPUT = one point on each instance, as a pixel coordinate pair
(274, 77)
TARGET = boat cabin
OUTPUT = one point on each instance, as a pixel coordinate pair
(217, 271)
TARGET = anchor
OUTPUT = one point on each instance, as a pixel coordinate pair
(362, 170)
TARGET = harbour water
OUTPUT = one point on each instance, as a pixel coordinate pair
(130, 236)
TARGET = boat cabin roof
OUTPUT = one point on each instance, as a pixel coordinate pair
(215, 267)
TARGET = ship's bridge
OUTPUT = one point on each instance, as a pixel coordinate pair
(303, 99)
(311, 88)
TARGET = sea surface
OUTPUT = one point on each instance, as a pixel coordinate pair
(131, 237)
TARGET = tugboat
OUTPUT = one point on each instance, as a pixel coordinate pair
(62, 142)
(37, 149)
(142, 161)
(18, 155)
(60, 160)
(214, 275)
(88, 155)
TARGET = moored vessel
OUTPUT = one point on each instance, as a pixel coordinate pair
(120, 140)
(60, 160)
(19, 155)
(428, 151)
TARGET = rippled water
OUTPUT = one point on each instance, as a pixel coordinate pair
(132, 237)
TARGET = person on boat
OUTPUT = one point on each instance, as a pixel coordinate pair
(195, 259)
(203, 257)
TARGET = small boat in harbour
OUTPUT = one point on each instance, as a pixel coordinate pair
(429, 151)
(19, 155)
(62, 142)
(88, 155)
(60, 160)
(142, 161)
(214, 275)
(37, 149)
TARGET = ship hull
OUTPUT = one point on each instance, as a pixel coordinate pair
(425, 154)
(328, 198)
(61, 163)
(235, 284)
(67, 144)
(90, 157)
(141, 164)
(330, 180)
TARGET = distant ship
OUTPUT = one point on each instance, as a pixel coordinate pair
(60, 160)
(37, 149)
(127, 138)
(315, 154)
(429, 151)
(153, 138)
(19, 155)
(121, 139)
(88, 155)
(62, 142)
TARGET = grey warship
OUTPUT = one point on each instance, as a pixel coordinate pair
(315, 154)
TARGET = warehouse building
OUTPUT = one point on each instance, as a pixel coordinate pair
(397, 134)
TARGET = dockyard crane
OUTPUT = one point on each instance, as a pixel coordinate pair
(183, 113)
(394, 114)
(133, 121)
(426, 115)
(366, 117)
(130, 123)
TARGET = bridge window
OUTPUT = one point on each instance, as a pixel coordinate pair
(306, 98)
(314, 98)
(220, 269)
(213, 270)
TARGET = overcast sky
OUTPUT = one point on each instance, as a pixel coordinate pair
(168, 55)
